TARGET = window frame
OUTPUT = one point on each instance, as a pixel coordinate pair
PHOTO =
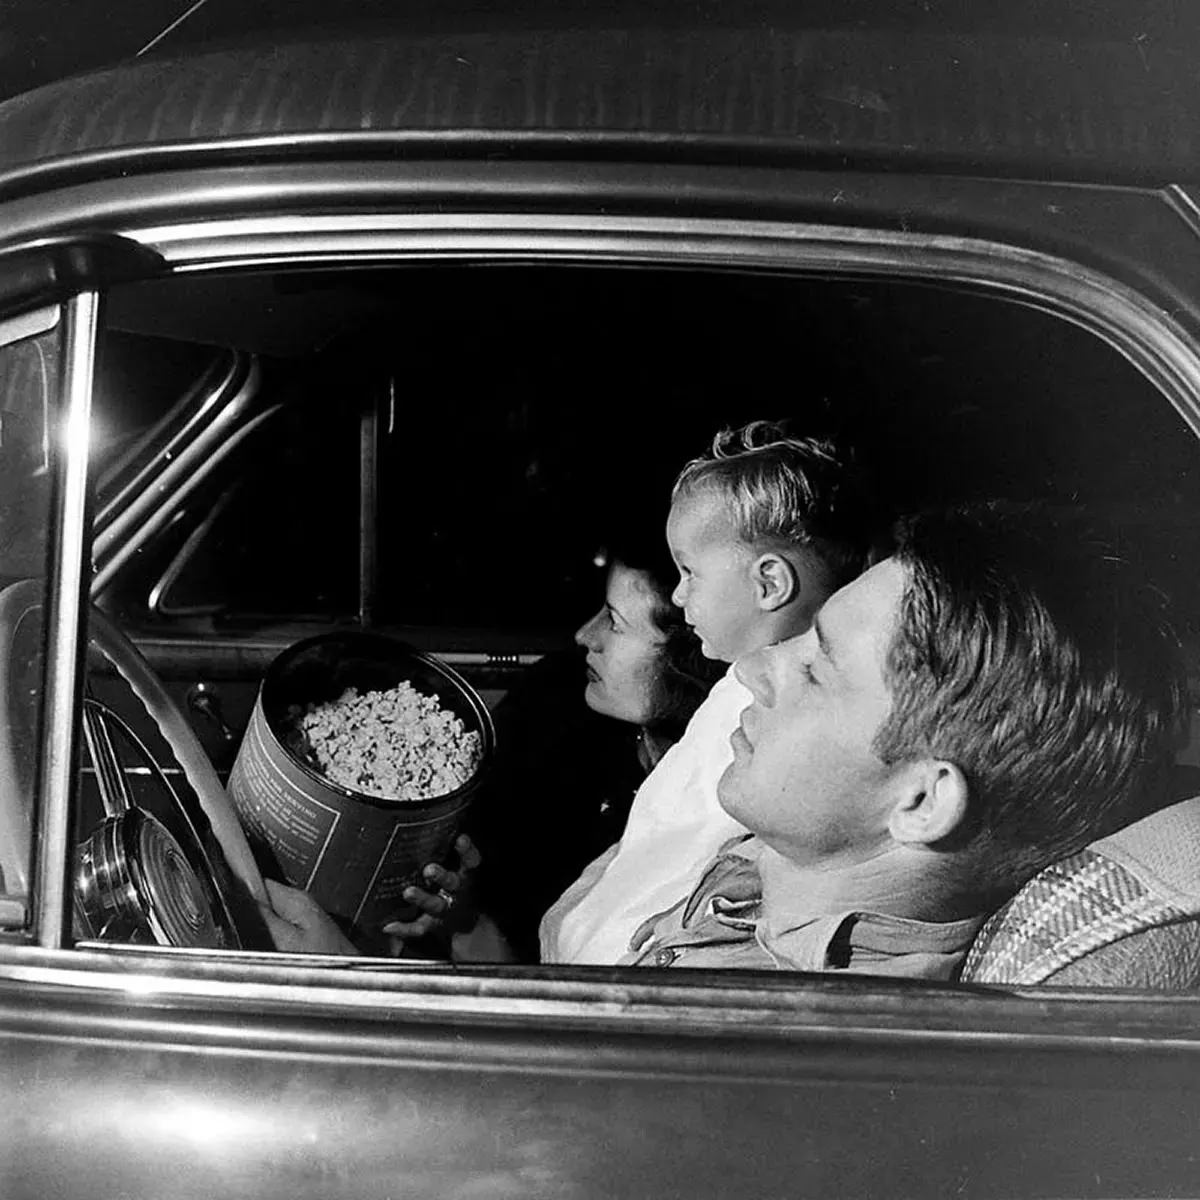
(1153, 340)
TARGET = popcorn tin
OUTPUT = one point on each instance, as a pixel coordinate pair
(354, 852)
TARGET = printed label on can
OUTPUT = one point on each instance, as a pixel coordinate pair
(296, 826)
(408, 845)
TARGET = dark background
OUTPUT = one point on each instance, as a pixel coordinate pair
(45, 40)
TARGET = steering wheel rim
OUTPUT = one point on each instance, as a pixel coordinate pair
(20, 603)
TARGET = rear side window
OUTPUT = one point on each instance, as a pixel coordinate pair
(29, 378)
(30, 370)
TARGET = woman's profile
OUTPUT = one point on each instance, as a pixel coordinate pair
(582, 731)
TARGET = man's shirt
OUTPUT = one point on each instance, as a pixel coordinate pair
(725, 924)
(675, 826)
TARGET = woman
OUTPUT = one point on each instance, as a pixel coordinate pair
(566, 774)
(644, 665)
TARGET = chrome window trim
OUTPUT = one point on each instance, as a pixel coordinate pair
(361, 998)
(1148, 336)
(65, 631)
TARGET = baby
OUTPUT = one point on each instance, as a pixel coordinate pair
(762, 529)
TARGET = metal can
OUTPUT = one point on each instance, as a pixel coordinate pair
(354, 852)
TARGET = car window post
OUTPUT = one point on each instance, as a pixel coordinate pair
(64, 630)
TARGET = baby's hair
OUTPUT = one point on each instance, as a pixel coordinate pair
(785, 491)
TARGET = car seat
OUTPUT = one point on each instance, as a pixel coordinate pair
(1122, 913)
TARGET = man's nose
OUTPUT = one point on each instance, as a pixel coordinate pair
(677, 596)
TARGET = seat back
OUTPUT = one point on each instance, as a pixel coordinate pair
(1111, 915)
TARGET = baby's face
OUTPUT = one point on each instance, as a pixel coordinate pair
(716, 588)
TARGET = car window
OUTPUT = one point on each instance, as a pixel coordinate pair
(29, 373)
(448, 462)
(501, 416)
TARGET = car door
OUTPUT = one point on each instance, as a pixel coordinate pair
(294, 1075)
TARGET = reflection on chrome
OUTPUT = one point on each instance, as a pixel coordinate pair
(134, 884)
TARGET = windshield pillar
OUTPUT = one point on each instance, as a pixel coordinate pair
(65, 631)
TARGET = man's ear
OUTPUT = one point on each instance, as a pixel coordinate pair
(933, 802)
(775, 581)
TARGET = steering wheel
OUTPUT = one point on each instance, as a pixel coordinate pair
(134, 879)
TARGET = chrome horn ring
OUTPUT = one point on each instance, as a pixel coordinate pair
(133, 883)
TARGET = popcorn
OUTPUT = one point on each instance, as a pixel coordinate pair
(397, 744)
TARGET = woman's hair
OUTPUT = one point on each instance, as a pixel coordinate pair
(684, 676)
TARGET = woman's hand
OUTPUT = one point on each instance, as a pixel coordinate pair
(299, 925)
(448, 904)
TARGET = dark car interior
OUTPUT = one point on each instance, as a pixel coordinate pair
(519, 403)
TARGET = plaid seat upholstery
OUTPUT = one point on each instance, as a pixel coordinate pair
(1142, 878)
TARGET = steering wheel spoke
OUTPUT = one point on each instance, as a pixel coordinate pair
(110, 777)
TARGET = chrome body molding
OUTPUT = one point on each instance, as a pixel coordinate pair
(144, 983)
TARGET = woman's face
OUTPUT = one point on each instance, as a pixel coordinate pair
(623, 648)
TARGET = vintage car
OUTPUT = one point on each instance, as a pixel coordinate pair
(369, 327)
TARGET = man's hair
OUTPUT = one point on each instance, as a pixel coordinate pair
(784, 491)
(1039, 663)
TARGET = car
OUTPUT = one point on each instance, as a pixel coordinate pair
(368, 327)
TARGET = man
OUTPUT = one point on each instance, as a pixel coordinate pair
(991, 698)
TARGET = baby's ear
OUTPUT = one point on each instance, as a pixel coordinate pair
(775, 581)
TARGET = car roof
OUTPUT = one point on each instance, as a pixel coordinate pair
(34, 50)
(1041, 91)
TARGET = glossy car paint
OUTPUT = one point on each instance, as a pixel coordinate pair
(323, 1083)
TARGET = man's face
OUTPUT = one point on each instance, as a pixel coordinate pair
(716, 588)
(804, 776)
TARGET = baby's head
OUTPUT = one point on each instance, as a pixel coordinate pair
(763, 529)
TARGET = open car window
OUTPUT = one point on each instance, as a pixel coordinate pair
(451, 481)
(500, 446)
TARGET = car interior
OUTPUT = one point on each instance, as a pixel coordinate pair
(437, 453)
